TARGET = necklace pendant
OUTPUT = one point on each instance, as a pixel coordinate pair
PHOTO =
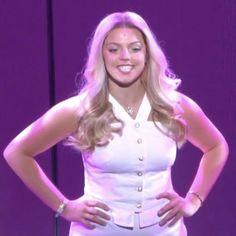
(130, 111)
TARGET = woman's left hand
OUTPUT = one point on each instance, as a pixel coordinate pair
(177, 207)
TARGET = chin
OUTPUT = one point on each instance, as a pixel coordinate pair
(125, 83)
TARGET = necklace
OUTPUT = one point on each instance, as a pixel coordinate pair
(130, 111)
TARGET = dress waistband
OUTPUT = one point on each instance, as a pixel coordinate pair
(126, 218)
(123, 215)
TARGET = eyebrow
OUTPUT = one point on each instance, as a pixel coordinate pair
(135, 42)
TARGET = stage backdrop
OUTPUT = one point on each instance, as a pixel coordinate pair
(198, 38)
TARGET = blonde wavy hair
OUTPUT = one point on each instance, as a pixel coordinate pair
(95, 115)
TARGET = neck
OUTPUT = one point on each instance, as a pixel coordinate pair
(128, 96)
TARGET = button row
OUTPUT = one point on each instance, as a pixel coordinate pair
(139, 173)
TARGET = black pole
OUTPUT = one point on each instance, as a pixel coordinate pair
(52, 95)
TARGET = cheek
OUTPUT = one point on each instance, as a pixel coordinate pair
(141, 62)
(109, 64)
(108, 60)
(140, 59)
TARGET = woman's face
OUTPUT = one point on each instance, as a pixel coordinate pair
(124, 54)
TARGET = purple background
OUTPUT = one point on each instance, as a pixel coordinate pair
(199, 41)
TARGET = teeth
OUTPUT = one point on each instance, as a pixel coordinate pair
(125, 68)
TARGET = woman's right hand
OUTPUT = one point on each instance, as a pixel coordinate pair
(87, 212)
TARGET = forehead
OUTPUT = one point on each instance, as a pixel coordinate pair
(124, 34)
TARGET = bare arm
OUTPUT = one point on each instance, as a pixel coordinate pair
(52, 127)
(205, 136)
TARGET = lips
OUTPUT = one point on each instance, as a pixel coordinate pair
(125, 68)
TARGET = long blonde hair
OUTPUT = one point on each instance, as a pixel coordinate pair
(96, 117)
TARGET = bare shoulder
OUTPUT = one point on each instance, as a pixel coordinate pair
(67, 106)
(64, 112)
(189, 106)
(200, 129)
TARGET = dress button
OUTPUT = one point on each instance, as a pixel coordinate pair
(137, 125)
(141, 158)
(139, 140)
(140, 189)
(139, 173)
(139, 205)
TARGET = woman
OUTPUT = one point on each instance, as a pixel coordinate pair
(127, 121)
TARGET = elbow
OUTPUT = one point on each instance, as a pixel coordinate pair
(219, 152)
(225, 148)
(15, 154)
(11, 154)
(7, 153)
(223, 151)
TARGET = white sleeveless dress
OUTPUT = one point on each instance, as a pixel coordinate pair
(128, 174)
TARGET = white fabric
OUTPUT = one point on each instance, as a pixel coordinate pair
(112, 229)
(129, 172)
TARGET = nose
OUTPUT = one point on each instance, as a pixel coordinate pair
(125, 54)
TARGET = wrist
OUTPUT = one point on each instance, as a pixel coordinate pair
(195, 198)
(61, 208)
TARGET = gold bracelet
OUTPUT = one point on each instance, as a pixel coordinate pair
(198, 197)
(61, 208)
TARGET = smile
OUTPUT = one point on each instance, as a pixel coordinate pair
(125, 68)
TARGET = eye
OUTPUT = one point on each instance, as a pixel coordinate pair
(113, 50)
(136, 49)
